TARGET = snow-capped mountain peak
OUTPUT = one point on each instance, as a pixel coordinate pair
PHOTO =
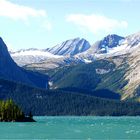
(111, 45)
(79, 50)
(70, 47)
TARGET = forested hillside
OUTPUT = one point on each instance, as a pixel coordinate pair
(100, 75)
(58, 102)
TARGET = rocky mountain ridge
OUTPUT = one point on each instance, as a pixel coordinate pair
(70, 47)
(78, 49)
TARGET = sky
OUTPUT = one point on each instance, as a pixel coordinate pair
(45, 23)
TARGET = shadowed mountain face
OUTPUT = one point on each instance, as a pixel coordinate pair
(9, 70)
(105, 45)
(109, 41)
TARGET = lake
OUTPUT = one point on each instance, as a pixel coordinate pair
(69, 128)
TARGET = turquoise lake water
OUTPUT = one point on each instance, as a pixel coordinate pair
(73, 128)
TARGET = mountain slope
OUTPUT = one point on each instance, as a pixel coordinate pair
(102, 74)
(53, 63)
(133, 75)
(70, 47)
(9, 70)
(117, 73)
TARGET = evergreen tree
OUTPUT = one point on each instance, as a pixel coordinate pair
(9, 111)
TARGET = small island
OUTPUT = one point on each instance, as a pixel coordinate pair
(10, 112)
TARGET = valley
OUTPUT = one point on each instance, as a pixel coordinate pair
(74, 77)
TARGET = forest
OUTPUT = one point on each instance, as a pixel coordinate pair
(59, 102)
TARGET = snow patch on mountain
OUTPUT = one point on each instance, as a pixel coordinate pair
(24, 57)
(87, 61)
(102, 71)
(34, 52)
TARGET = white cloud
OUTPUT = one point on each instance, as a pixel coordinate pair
(18, 12)
(96, 23)
(23, 13)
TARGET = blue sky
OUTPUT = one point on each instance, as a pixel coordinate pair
(45, 23)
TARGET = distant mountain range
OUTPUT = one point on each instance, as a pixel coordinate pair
(122, 51)
(77, 50)
(61, 54)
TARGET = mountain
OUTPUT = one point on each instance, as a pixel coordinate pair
(109, 46)
(10, 71)
(93, 72)
(123, 52)
(60, 55)
(119, 74)
(70, 47)
(77, 50)
(76, 80)
(73, 51)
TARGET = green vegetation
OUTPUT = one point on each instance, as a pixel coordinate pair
(58, 102)
(9, 111)
(89, 78)
(81, 76)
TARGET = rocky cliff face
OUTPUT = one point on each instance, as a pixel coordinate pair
(10, 71)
